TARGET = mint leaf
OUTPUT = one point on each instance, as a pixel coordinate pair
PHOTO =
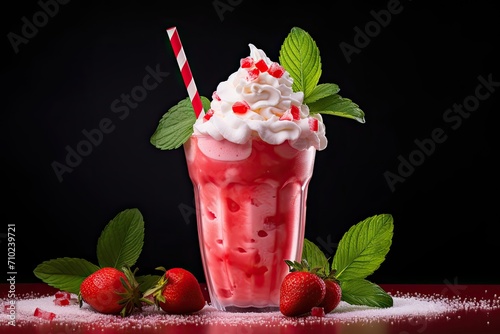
(363, 292)
(315, 257)
(176, 125)
(321, 91)
(121, 241)
(360, 252)
(299, 55)
(363, 247)
(338, 106)
(65, 273)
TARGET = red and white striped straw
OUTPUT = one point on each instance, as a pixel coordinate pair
(187, 76)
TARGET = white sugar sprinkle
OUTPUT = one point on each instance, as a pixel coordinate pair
(405, 306)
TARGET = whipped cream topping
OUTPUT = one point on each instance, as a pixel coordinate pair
(258, 100)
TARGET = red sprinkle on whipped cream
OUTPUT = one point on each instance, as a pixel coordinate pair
(258, 101)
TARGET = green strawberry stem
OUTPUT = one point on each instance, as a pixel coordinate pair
(303, 265)
(157, 290)
(132, 297)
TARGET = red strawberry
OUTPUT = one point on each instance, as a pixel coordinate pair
(177, 292)
(111, 291)
(301, 290)
(332, 296)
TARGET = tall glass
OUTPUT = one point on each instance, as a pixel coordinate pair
(251, 207)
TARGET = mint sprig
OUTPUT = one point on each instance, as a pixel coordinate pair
(118, 246)
(360, 253)
(364, 247)
(337, 105)
(363, 292)
(66, 274)
(176, 125)
(300, 56)
(121, 241)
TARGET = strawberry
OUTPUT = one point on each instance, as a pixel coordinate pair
(332, 296)
(111, 291)
(177, 292)
(301, 290)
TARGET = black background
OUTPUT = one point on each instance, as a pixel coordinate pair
(426, 59)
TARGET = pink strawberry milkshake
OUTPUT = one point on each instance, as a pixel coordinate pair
(251, 158)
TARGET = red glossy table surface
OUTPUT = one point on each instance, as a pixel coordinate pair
(482, 317)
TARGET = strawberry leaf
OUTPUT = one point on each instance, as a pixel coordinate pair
(66, 274)
(363, 292)
(121, 241)
(176, 125)
(363, 248)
